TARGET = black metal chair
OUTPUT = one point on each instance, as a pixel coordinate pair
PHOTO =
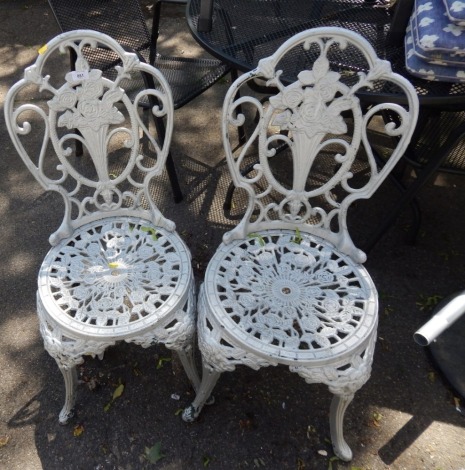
(438, 143)
(124, 20)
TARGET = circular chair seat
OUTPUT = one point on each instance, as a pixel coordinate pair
(290, 299)
(114, 279)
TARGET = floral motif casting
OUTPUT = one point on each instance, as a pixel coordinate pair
(86, 103)
(114, 273)
(289, 295)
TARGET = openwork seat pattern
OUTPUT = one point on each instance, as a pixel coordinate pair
(287, 285)
(291, 300)
(117, 270)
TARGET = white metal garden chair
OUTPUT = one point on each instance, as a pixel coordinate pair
(287, 285)
(117, 269)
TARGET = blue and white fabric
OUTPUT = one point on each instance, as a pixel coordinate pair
(455, 10)
(434, 46)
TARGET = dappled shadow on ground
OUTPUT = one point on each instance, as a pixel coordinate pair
(404, 417)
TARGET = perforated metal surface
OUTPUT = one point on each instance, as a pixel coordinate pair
(291, 301)
(124, 21)
(244, 31)
(438, 127)
(115, 277)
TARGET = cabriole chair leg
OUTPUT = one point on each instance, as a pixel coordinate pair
(339, 405)
(186, 356)
(71, 382)
(203, 395)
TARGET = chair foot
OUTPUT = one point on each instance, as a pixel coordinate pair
(227, 205)
(71, 381)
(339, 405)
(203, 397)
(190, 414)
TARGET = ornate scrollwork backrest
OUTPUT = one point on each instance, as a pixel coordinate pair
(89, 108)
(313, 88)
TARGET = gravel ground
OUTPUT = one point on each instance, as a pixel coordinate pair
(405, 417)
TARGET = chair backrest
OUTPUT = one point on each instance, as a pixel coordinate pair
(115, 176)
(122, 20)
(317, 146)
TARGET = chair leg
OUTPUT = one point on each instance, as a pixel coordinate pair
(170, 168)
(186, 355)
(339, 405)
(434, 163)
(343, 380)
(227, 205)
(160, 127)
(172, 175)
(209, 379)
(72, 62)
(71, 382)
(395, 177)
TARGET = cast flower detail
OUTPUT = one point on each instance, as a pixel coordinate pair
(86, 104)
(304, 107)
(104, 286)
(294, 296)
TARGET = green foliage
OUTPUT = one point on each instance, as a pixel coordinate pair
(116, 394)
(331, 461)
(161, 361)
(150, 230)
(118, 391)
(260, 239)
(298, 237)
(427, 303)
(154, 454)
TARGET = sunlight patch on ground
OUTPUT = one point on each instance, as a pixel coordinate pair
(21, 263)
(12, 58)
(12, 341)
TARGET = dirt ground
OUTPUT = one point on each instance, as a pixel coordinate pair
(405, 417)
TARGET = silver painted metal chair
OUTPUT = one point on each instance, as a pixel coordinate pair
(117, 269)
(287, 285)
